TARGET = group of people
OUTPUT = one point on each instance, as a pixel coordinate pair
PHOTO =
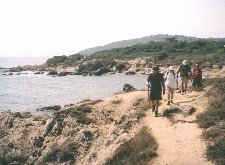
(158, 83)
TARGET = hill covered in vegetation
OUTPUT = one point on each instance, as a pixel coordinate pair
(142, 40)
(210, 51)
(171, 51)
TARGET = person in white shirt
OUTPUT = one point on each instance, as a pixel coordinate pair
(171, 84)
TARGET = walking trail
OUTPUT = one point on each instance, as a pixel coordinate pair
(179, 139)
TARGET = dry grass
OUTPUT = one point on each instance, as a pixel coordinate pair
(95, 102)
(213, 121)
(89, 102)
(118, 101)
(169, 113)
(84, 101)
(139, 150)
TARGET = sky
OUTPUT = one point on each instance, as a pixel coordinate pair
(46, 28)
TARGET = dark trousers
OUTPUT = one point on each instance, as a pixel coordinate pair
(197, 82)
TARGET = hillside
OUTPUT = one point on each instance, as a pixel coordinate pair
(209, 53)
(205, 52)
(142, 40)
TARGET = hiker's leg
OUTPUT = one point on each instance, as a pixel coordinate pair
(157, 103)
(153, 105)
(153, 102)
(194, 83)
(168, 96)
(180, 84)
(185, 83)
(199, 83)
(156, 107)
(171, 97)
(168, 93)
(183, 86)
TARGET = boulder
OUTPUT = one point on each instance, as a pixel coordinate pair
(38, 72)
(101, 71)
(96, 67)
(130, 73)
(16, 69)
(128, 88)
(63, 73)
(119, 67)
(50, 108)
(53, 72)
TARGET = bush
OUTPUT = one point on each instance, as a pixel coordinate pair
(139, 150)
(214, 119)
(216, 152)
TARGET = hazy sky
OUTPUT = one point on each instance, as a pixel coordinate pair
(64, 27)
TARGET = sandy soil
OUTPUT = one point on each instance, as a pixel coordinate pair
(180, 141)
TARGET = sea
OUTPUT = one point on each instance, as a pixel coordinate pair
(27, 92)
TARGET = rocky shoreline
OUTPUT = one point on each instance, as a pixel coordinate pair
(64, 66)
(85, 133)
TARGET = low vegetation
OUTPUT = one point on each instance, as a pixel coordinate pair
(208, 52)
(213, 121)
(139, 150)
(65, 61)
(117, 101)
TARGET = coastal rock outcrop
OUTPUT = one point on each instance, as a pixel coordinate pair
(74, 135)
(96, 67)
(65, 61)
(52, 73)
(50, 108)
(16, 69)
(128, 88)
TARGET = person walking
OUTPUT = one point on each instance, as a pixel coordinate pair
(197, 77)
(185, 73)
(171, 84)
(157, 87)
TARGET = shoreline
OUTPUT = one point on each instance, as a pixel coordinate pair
(98, 128)
(82, 123)
(207, 72)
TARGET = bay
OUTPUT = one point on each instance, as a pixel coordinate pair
(27, 92)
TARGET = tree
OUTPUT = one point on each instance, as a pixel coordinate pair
(171, 39)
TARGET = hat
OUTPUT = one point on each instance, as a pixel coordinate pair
(155, 68)
(185, 62)
(171, 68)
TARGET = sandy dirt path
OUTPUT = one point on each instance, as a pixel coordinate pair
(180, 143)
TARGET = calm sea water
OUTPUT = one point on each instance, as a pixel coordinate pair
(27, 92)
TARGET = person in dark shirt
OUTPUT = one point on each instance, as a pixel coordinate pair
(157, 87)
(185, 73)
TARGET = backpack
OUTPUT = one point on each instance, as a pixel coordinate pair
(184, 70)
(168, 73)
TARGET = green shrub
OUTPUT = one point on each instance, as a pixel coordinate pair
(216, 152)
(214, 120)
